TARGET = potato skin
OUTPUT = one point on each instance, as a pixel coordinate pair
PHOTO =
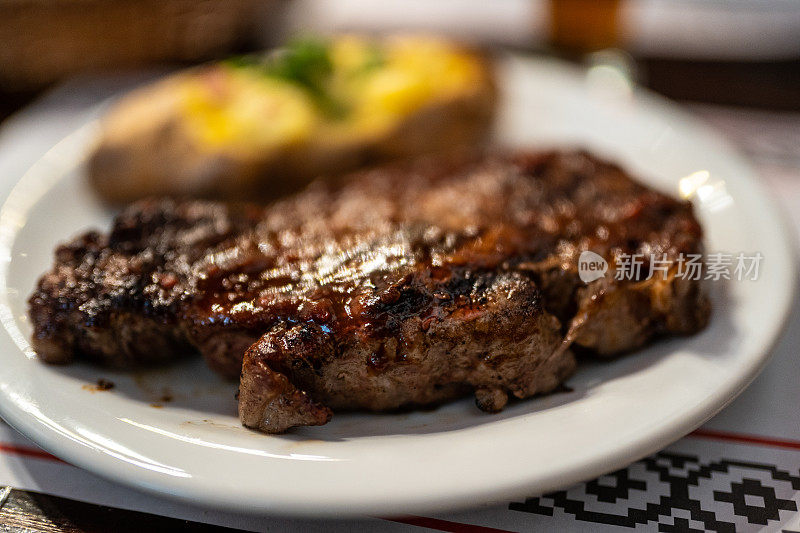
(145, 147)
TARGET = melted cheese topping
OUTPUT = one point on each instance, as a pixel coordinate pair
(374, 84)
(242, 111)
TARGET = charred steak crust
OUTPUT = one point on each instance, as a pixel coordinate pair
(404, 285)
(118, 298)
(485, 333)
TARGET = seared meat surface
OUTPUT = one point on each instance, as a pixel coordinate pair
(401, 286)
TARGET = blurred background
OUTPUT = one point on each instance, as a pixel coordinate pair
(736, 52)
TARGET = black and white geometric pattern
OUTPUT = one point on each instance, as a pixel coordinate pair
(675, 492)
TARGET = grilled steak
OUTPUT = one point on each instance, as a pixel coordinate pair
(400, 286)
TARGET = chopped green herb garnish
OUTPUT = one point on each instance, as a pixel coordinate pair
(374, 60)
(304, 62)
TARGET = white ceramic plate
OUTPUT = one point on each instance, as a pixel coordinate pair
(193, 447)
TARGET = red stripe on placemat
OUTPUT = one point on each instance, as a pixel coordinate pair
(444, 525)
(742, 438)
(26, 451)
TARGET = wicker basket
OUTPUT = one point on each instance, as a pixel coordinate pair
(44, 40)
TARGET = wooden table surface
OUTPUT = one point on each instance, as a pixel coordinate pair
(22, 511)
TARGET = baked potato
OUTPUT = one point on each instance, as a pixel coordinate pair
(257, 127)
